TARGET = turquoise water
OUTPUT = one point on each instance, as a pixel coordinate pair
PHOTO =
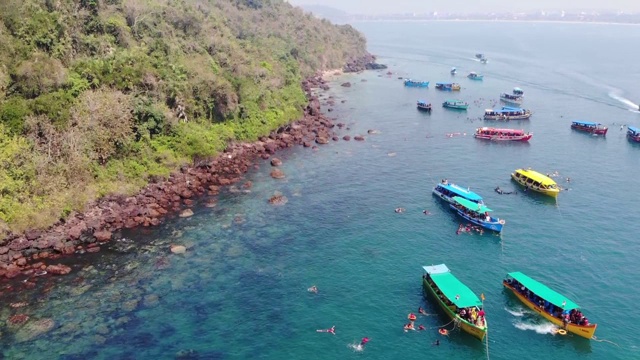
(240, 289)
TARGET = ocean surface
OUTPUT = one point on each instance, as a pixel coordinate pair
(240, 290)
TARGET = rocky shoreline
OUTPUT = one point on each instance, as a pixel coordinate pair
(34, 253)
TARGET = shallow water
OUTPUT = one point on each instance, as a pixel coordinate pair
(240, 290)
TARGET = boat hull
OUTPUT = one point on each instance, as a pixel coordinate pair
(590, 130)
(422, 84)
(424, 108)
(523, 182)
(512, 101)
(495, 225)
(525, 137)
(585, 331)
(475, 331)
(633, 138)
(506, 117)
(476, 77)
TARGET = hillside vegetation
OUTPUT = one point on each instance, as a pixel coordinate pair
(101, 96)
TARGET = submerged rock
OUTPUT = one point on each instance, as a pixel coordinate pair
(277, 174)
(33, 329)
(186, 213)
(178, 249)
(276, 162)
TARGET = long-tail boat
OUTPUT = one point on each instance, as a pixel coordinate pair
(551, 305)
(459, 303)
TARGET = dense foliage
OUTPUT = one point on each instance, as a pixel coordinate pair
(98, 96)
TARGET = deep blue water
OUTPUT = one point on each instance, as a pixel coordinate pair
(240, 290)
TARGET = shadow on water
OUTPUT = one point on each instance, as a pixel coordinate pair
(535, 197)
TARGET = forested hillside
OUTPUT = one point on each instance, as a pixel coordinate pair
(100, 96)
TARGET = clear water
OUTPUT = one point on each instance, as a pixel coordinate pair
(240, 290)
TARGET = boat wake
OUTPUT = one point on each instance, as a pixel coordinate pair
(517, 312)
(546, 328)
(630, 104)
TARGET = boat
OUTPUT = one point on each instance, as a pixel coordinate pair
(484, 60)
(477, 214)
(590, 127)
(448, 86)
(447, 191)
(510, 98)
(475, 76)
(412, 83)
(455, 104)
(479, 56)
(423, 105)
(535, 181)
(454, 71)
(457, 301)
(633, 133)
(551, 305)
(497, 134)
(507, 113)
(518, 91)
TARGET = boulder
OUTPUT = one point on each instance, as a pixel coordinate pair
(277, 174)
(178, 249)
(58, 269)
(102, 235)
(276, 162)
(186, 213)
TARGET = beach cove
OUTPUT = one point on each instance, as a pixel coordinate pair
(239, 290)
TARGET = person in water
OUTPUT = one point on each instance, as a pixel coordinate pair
(313, 289)
(364, 341)
(437, 342)
(421, 311)
(421, 327)
(332, 330)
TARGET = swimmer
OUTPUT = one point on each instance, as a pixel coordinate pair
(437, 342)
(332, 330)
(421, 311)
(409, 326)
(399, 210)
(568, 179)
(421, 327)
(313, 289)
(364, 341)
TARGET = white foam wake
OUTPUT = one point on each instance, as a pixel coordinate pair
(516, 312)
(616, 96)
(545, 328)
(356, 347)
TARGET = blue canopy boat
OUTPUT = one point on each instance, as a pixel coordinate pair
(411, 83)
(423, 105)
(475, 76)
(455, 104)
(633, 134)
(447, 191)
(477, 214)
(447, 86)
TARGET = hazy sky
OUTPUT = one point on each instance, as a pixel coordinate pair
(401, 6)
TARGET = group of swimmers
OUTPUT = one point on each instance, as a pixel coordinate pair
(332, 330)
(411, 325)
(469, 228)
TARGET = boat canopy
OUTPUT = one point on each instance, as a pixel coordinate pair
(468, 194)
(511, 108)
(452, 288)
(544, 292)
(633, 129)
(517, 90)
(422, 102)
(585, 123)
(444, 84)
(536, 176)
(470, 205)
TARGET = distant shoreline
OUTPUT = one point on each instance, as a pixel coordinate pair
(507, 21)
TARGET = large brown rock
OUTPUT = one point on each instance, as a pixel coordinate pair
(277, 174)
(276, 162)
(103, 235)
(58, 269)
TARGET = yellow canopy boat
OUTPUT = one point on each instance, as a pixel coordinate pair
(535, 181)
(550, 305)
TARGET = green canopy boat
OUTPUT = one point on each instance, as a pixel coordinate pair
(470, 205)
(456, 299)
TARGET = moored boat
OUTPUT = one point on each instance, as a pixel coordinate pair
(479, 56)
(447, 191)
(448, 86)
(423, 105)
(477, 214)
(507, 113)
(475, 76)
(633, 134)
(413, 83)
(455, 104)
(457, 301)
(518, 91)
(484, 60)
(590, 127)
(497, 134)
(551, 305)
(535, 181)
(510, 98)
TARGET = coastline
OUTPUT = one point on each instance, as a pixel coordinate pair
(34, 253)
(501, 21)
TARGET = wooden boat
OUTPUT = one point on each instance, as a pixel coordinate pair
(448, 86)
(447, 191)
(477, 214)
(507, 113)
(496, 134)
(518, 91)
(453, 296)
(535, 181)
(479, 56)
(423, 105)
(475, 76)
(590, 127)
(455, 104)
(549, 304)
(412, 83)
(510, 98)
(633, 134)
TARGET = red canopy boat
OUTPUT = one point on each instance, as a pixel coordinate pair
(497, 134)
